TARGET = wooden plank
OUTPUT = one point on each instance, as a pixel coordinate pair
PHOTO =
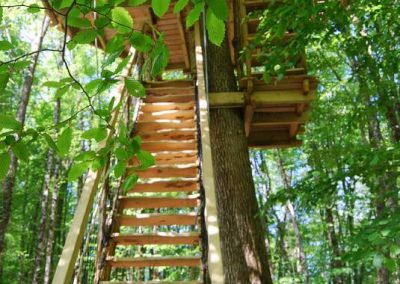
(155, 107)
(159, 238)
(169, 83)
(158, 220)
(248, 118)
(144, 127)
(169, 146)
(168, 114)
(279, 118)
(166, 186)
(178, 98)
(215, 265)
(169, 158)
(226, 99)
(184, 43)
(168, 90)
(167, 172)
(154, 261)
(157, 202)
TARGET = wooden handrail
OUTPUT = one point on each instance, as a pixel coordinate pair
(215, 265)
(66, 263)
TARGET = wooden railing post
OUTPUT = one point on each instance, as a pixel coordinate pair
(215, 266)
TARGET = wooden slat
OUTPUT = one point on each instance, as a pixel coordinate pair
(158, 220)
(157, 202)
(178, 98)
(168, 114)
(176, 158)
(159, 238)
(166, 186)
(169, 146)
(168, 90)
(155, 107)
(169, 83)
(168, 172)
(278, 118)
(143, 127)
(154, 261)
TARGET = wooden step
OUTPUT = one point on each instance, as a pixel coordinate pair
(177, 135)
(167, 114)
(166, 186)
(171, 90)
(171, 158)
(168, 172)
(155, 219)
(159, 238)
(157, 202)
(168, 83)
(154, 261)
(164, 126)
(156, 146)
(155, 107)
(177, 98)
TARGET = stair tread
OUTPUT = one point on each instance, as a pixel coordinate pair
(161, 146)
(191, 238)
(169, 186)
(157, 202)
(167, 114)
(154, 261)
(154, 219)
(168, 172)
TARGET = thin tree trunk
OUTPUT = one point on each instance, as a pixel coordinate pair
(244, 254)
(53, 206)
(9, 181)
(303, 268)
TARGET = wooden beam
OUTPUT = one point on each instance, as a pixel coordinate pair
(158, 220)
(169, 146)
(159, 238)
(269, 119)
(260, 98)
(215, 264)
(166, 186)
(184, 44)
(168, 172)
(248, 118)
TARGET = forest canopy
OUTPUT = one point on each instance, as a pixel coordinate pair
(330, 207)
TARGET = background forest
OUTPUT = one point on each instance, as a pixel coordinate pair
(331, 206)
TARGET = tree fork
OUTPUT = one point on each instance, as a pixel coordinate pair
(244, 254)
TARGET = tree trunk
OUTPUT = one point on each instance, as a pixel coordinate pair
(9, 181)
(303, 268)
(53, 207)
(244, 254)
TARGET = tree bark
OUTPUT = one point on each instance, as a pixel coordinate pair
(244, 254)
(9, 181)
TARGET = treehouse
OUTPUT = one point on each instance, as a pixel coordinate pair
(173, 123)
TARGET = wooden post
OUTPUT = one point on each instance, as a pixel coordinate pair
(211, 217)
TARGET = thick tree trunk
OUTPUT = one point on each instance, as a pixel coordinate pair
(9, 181)
(244, 254)
(53, 207)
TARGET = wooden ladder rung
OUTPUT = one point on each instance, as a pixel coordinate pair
(176, 135)
(168, 172)
(161, 127)
(155, 219)
(154, 261)
(157, 202)
(155, 107)
(155, 146)
(159, 238)
(169, 98)
(167, 114)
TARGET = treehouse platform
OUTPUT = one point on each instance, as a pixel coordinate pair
(164, 207)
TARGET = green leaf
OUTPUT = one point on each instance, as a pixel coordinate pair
(8, 122)
(135, 88)
(34, 8)
(119, 168)
(77, 170)
(64, 142)
(4, 77)
(1, 15)
(52, 84)
(378, 260)
(219, 8)
(215, 28)
(86, 36)
(129, 182)
(180, 5)
(86, 156)
(5, 45)
(136, 2)
(76, 20)
(146, 159)
(61, 91)
(194, 14)
(4, 164)
(121, 154)
(65, 4)
(160, 7)
(98, 134)
(122, 20)
(21, 150)
(50, 141)
(21, 64)
(141, 42)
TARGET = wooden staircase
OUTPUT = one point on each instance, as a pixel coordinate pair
(162, 209)
(275, 112)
